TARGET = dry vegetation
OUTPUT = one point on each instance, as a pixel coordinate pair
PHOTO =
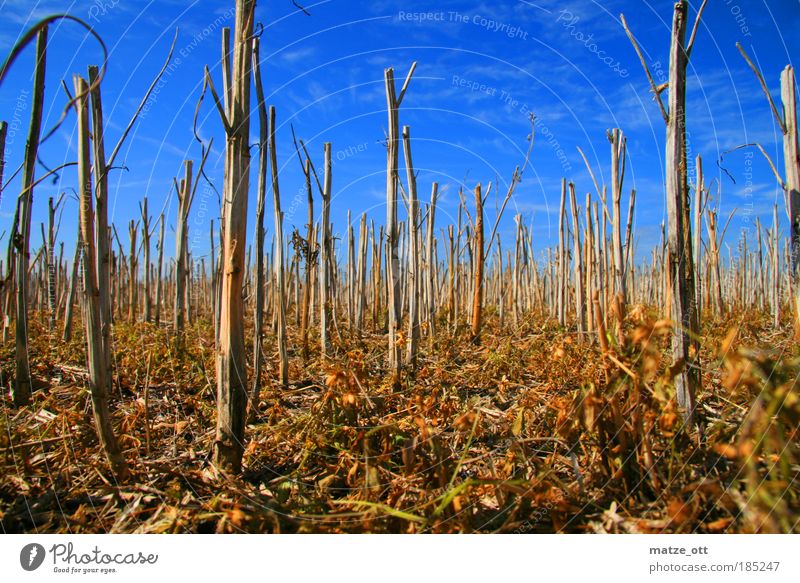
(531, 432)
(396, 380)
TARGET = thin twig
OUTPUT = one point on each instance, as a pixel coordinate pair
(115, 151)
(653, 87)
(694, 29)
(778, 116)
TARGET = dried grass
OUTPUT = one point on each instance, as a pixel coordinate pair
(530, 432)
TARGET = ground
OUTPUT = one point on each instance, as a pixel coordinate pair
(532, 431)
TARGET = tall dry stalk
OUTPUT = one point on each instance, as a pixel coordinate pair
(133, 266)
(393, 102)
(263, 163)
(476, 322)
(618, 155)
(185, 194)
(146, 234)
(278, 260)
(21, 388)
(326, 253)
(102, 235)
(99, 381)
(231, 363)
(680, 265)
(159, 270)
(577, 263)
(66, 334)
(413, 275)
(787, 122)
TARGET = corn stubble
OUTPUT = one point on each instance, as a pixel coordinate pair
(429, 383)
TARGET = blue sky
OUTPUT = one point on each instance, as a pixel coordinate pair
(481, 68)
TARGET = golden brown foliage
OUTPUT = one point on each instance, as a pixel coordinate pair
(530, 432)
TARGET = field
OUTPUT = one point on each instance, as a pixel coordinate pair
(531, 432)
(448, 370)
